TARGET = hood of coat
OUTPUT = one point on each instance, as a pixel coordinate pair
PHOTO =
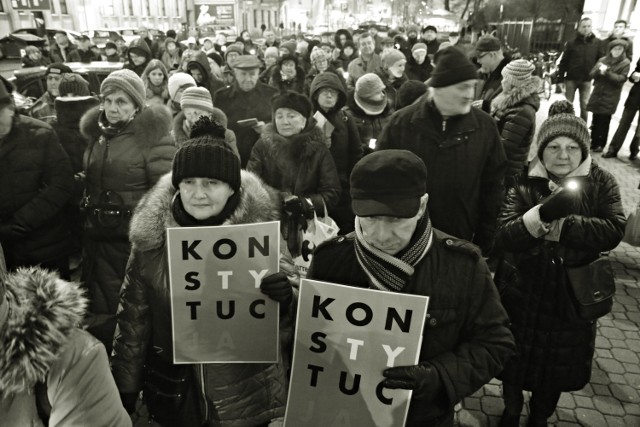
(336, 37)
(149, 125)
(330, 80)
(70, 110)
(527, 92)
(201, 62)
(152, 216)
(140, 47)
(44, 310)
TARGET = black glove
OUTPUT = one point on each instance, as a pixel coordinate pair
(558, 205)
(299, 210)
(423, 379)
(11, 231)
(277, 287)
(129, 402)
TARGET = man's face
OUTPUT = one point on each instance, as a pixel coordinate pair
(207, 44)
(269, 36)
(171, 47)
(419, 55)
(454, 39)
(617, 51)
(373, 31)
(429, 35)
(84, 44)
(246, 79)
(488, 61)
(389, 234)
(412, 35)
(455, 99)
(366, 45)
(53, 82)
(585, 27)
(618, 29)
(61, 40)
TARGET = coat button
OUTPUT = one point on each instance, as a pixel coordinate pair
(340, 239)
(449, 242)
(433, 322)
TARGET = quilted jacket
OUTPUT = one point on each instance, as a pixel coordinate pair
(607, 87)
(554, 352)
(144, 315)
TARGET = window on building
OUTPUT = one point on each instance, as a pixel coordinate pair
(1, 7)
(130, 7)
(63, 7)
(162, 8)
(147, 8)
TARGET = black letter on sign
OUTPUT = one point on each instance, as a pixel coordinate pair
(191, 277)
(314, 374)
(368, 314)
(252, 309)
(321, 307)
(232, 249)
(232, 310)
(381, 397)
(307, 250)
(193, 305)
(392, 314)
(190, 249)
(316, 339)
(254, 244)
(343, 385)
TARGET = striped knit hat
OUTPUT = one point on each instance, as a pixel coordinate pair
(197, 97)
(517, 72)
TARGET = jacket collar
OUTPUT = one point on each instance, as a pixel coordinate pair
(426, 115)
(537, 169)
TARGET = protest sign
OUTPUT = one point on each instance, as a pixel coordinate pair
(345, 337)
(218, 312)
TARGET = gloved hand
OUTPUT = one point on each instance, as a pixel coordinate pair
(277, 287)
(129, 401)
(558, 205)
(298, 206)
(11, 231)
(422, 378)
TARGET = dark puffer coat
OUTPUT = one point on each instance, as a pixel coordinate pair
(515, 113)
(243, 395)
(345, 148)
(466, 337)
(120, 168)
(36, 181)
(369, 127)
(554, 352)
(607, 87)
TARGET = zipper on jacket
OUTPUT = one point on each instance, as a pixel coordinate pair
(204, 393)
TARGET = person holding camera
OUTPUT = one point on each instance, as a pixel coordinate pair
(561, 212)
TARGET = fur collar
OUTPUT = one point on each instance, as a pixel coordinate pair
(152, 216)
(149, 125)
(515, 95)
(296, 147)
(537, 169)
(44, 310)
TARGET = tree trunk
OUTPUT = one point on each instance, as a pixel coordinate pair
(464, 11)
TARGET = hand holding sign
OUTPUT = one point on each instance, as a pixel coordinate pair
(277, 287)
(423, 379)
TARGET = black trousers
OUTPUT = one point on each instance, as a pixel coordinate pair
(599, 130)
(542, 405)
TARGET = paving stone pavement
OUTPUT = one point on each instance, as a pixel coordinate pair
(612, 399)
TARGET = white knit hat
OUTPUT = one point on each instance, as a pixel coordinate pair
(179, 80)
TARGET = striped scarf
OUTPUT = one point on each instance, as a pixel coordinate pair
(388, 272)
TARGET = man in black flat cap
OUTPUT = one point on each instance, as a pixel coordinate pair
(489, 55)
(246, 99)
(466, 339)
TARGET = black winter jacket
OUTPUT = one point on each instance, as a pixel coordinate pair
(554, 352)
(391, 87)
(633, 100)
(295, 84)
(579, 57)
(67, 126)
(369, 127)
(490, 85)
(416, 71)
(466, 336)
(466, 163)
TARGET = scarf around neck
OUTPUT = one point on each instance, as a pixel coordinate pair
(392, 272)
(184, 219)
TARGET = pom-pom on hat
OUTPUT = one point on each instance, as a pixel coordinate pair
(293, 101)
(452, 67)
(392, 56)
(562, 121)
(180, 80)
(73, 84)
(367, 87)
(517, 72)
(129, 82)
(206, 155)
(197, 97)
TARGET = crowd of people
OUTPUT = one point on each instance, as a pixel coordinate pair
(417, 148)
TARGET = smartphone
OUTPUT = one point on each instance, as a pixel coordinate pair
(248, 122)
(372, 143)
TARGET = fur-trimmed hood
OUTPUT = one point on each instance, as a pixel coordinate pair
(44, 310)
(149, 125)
(153, 215)
(527, 93)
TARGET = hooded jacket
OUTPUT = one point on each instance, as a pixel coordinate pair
(42, 343)
(139, 47)
(243, 395)
(607, 87)
(171, 60)
(515, 114)
(209, 81)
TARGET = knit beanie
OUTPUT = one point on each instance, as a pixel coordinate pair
(317, 55)
(392, 56)
(197, 97)
(562, 121)
(213, 54)
(58, 68)
(74, 84)
(452, 67)
(271, 52)
(232, 48)
(368, 86)
(617, 42)
(419, 46)
(293, 101)
(288, 57)
(517, 72)
(290, 46)
(206, 155)
(409, 92)
(413, 28)
(129, 82)
(178, 80)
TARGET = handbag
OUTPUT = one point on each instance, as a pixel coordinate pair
(632, 230)
(318, 230)
(591, 288)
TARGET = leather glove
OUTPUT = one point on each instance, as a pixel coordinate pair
(129, 402)
(277, 287)
(422, 378)
(558, 205)
(299, 210)
(11, 231)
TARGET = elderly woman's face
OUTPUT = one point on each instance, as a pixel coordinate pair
(561, 156)
(119, 107)
(289, 122)
(203, 198)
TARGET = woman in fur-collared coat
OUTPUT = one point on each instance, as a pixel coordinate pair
(514, 110)
(130, 148)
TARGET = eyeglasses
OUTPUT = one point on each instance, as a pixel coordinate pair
(482, 55)
(555, 149)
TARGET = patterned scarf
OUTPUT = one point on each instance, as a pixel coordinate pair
(392, 272)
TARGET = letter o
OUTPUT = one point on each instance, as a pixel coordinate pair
(232, 249)
(368, 314)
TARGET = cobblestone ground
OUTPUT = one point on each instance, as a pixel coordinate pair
(612, 399)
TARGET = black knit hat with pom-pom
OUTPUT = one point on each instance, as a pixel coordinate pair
(563, 121)
(206, 155)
